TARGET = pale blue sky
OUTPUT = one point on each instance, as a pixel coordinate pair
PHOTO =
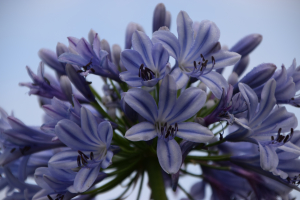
(27, 26)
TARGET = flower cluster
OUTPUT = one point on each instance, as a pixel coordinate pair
(152, 115)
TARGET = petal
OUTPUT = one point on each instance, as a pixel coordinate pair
(169, 155)
(167, 97)
(105, 132)
(250, 98)
(268, 157)
(85, 178)
(97, 45)
(169, 41)
(64, 160)
(72, 59)
(131, 79)
(142, 102)
(194, 132)
(207, 37)
(89, 124)
(107, 160)
(290, 147)
(185, 33)
(215, 82)
(142, 44)
(71, 134)
(84, 49)
(38, 177)
(181, 79)
(187, 105)
(267, 102)
(160, 57)
(131, 60)
(56, 184)
(142, 131)
(223, 59)
(247, 44)
(50, 59)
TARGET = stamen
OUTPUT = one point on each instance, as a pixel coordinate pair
(286, 138)
(279, 131)
(78, 161)
(49, 197)
(11, 151)
(146, 73)
(272, 137)
(81, 153)
(92, 155)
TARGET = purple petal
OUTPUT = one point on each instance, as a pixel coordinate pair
(50, 59)
(71, 134)
(84, 49)
(223, 59)
(85, 178)
(169, 155)
(105, 132)
(64, 160)
(268, 157)
(89, 125)
(142, 131)
(160, 57)
(142, 44)
(131, 60)
(181, 78)
(187, 105)
(207, 37)
(194, 132)
(167, 97)
(131, 79)
(107, 160)
(250, 98)
(267, 102)
(215, 82)
(168, 40)
(185, 33)
(143, 103)
(73, 59)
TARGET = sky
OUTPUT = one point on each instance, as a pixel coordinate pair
(27, 26)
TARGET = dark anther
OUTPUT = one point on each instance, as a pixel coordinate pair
(79, 71)
(286, 138)
(272, 137)
(168, 133)
(145, 73)
(288, 179)
(292, 131)
(195, 64)
(92, 155)
(292, 98)
(49, 197)
(78, 161)
(11, 151)
(279, 131)
(92, 70)
(23, 150)
(213, 60)
(280, 138)
(176, 126)
(88, 82)
(82, 154)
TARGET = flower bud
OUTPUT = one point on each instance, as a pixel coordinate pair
(116, 54)
(241, 66)
(247, 44)
(160, 17)
(66, 87)
(50, 59)
(105, 46)
(131, 27)
(233, 78)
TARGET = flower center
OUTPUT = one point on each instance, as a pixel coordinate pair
(145, 73)
(168, 132)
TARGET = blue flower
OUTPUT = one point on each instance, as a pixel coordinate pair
(264, 121)
(196, 52)
(146, 63)
(166, 121)
(90, 57)
(90, 146)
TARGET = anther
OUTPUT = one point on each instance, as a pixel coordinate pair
(78, 161)
(195, 64)
(279, 130)
(49, 197)
(92, 155)
(11, 151)
(272, 137)
(286, 139)
(81, 153)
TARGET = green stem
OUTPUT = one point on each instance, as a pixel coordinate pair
(115, 89)
(185, 192)
(96, 94)
(156, 181)
(141, 186)
(216, 167)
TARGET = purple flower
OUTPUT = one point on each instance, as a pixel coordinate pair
(146, 63)
(166, 121)
(189, 46)
(90, 146)
(161, 17)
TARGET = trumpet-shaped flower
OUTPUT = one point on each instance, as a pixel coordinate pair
(167, 121)
(265, 121)
(146, 63)
(196, 52)
(90, 146)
